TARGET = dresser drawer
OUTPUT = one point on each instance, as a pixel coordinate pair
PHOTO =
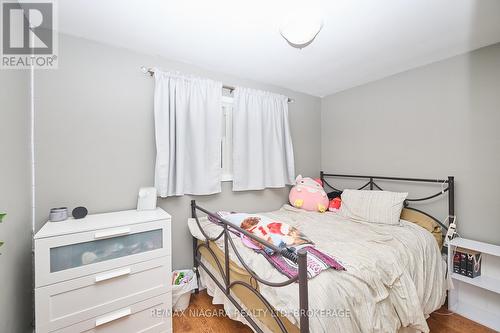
(66, 257)
(70, 302)
(149, 316)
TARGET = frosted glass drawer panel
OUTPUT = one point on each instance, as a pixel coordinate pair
(149, 316)
(81, 254)
(53, 267)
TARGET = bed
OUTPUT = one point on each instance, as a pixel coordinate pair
(394, 278)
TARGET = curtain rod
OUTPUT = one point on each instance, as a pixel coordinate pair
(151, 72)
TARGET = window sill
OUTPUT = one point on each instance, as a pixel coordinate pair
(227, 178)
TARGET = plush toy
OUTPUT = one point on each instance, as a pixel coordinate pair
(334, 204)
(308, 194)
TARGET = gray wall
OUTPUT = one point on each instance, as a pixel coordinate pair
(434, 121)
(95, 137)
(15, 200)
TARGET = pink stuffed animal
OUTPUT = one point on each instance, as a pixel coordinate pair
(308, 194)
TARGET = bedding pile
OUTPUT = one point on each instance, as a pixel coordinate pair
(394, 277)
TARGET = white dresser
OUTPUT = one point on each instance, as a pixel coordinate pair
(104, 273)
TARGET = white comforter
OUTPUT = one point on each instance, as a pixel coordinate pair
(395, 275)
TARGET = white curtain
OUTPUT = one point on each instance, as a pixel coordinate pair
(188, 134)
(262, 144)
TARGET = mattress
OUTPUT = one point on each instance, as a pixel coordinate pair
(395, 275)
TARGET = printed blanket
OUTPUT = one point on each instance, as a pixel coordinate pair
(317, 262)
(281, 235)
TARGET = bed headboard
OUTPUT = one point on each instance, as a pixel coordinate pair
(447, 185)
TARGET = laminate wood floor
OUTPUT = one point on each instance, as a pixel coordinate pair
(204, 317)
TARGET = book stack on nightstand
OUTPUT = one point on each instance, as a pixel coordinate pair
(475, 273)
(467, 262)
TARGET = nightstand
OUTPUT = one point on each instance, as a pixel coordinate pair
(478, 298)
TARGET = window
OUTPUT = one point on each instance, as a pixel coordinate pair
(227, 139)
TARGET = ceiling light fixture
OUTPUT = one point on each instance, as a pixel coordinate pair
(300, 29)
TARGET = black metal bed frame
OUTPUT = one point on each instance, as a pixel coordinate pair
(300, 258)
(449, 182)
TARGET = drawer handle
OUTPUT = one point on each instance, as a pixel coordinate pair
(113, 316)
(111, 233)
(113, 274)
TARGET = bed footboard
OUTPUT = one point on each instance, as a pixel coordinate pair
(224, 270)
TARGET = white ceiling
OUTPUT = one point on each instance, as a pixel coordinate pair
(361, 41)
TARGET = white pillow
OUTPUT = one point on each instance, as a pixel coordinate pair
(382, 207)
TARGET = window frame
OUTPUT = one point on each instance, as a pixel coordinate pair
(227, 139)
